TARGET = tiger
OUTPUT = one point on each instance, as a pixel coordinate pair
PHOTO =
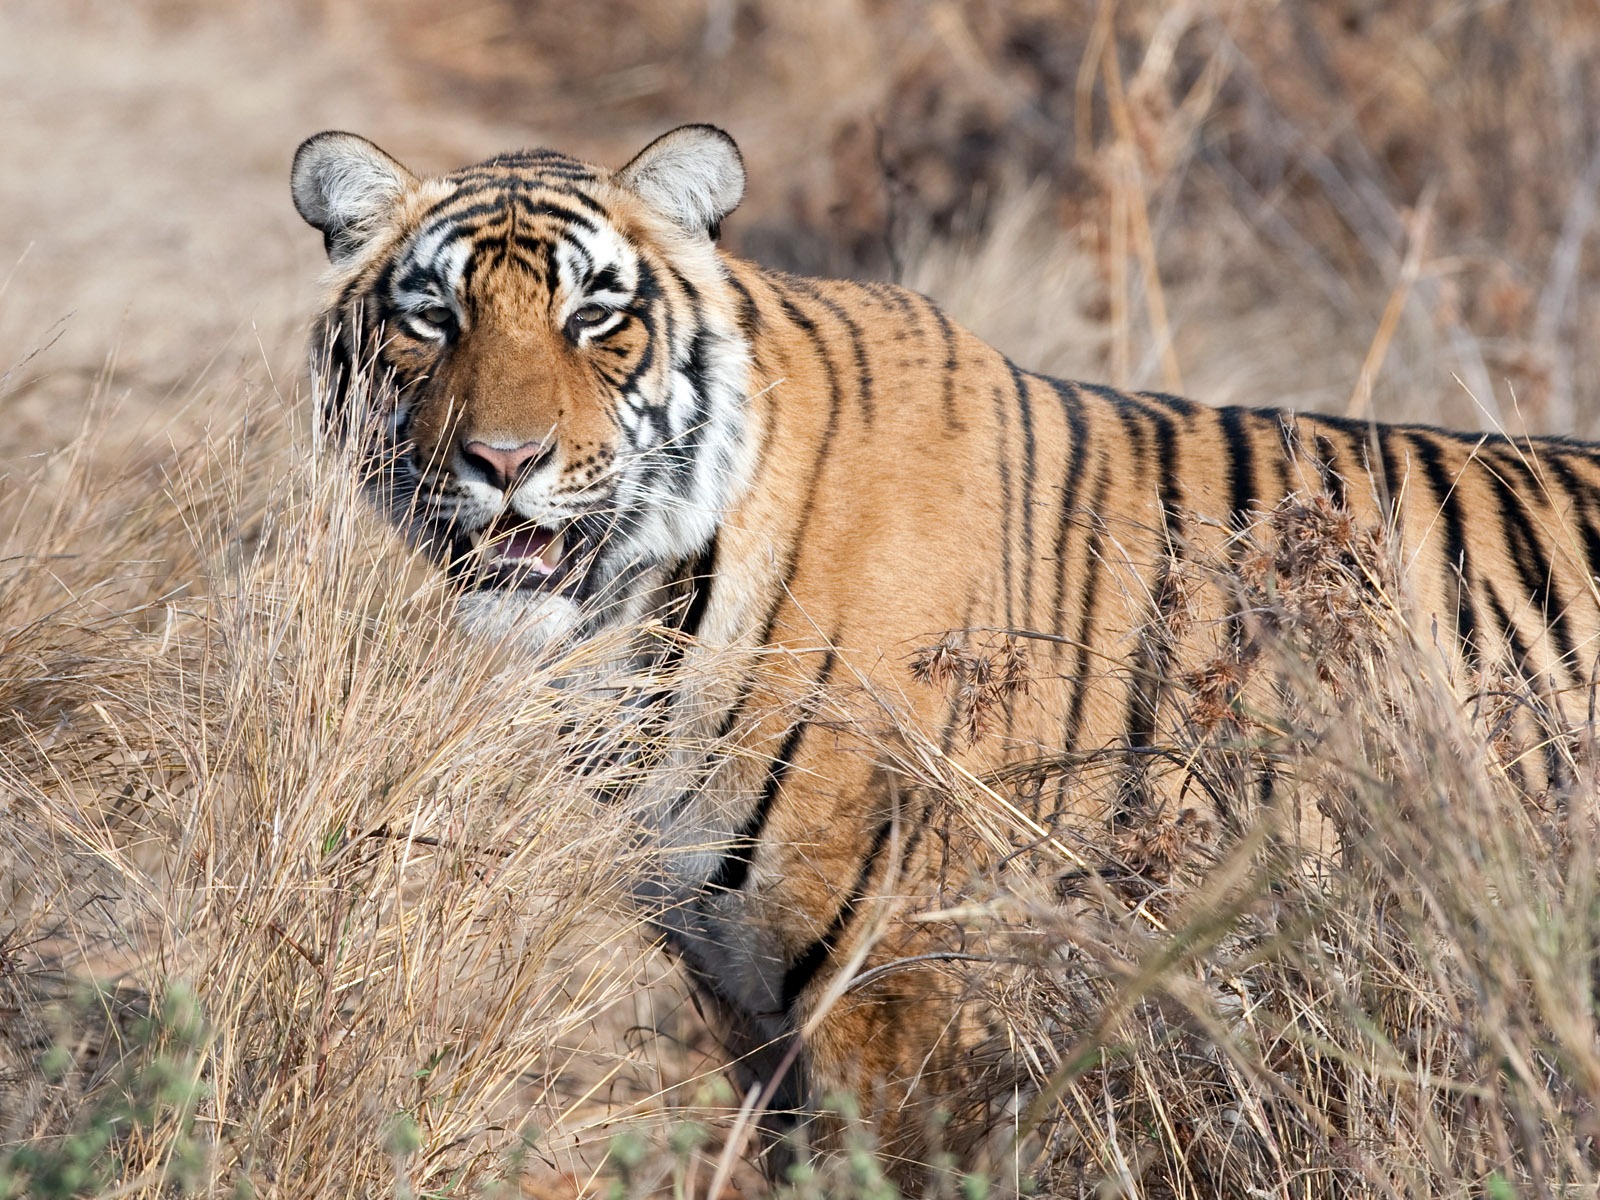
(594, 418)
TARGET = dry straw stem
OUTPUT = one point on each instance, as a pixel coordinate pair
(1130, 220)
(1417, 240)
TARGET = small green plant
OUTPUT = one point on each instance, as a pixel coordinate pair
(151, 1101)
(627, 1155)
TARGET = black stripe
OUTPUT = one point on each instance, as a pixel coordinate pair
(542, 157)
(1169, 489)
(496, 208)
(725, 728)
(1152, 656)
(1136, 425)
(1078, 430)
(535, 255)
(528, 207)
(1092, 569)
(630, 381)
(1151, 659)
(1333, 482)
(1534, 567)
(337, 366)
(919, 829)
(895, 296)
(702, 578)
(1521, 659)
(694, 367)
(469, 271)
(587, 201)
(810, 960)
(1003, 466)
(1177, 405)
(1358, 444)
(417, 277)
(730, 719)
(698, 579)
(1281, 463)
(646, 290)
(1582, 496)
(734, 868)
(1456, 563)
(1241, 458)
(1019, 383)
(808, 507)
(1105, 391)
(1393, 478)
(749, 312)
(858, 347)
(522, 171)
(1289, 438)
(952, 418)
(691, 294)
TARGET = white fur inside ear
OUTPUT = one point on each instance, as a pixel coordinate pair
(343, 185)
(693, 175)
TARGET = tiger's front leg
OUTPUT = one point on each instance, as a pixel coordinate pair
(878, 1042)
(883, 1058)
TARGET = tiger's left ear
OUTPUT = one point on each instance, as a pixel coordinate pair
(694, 175)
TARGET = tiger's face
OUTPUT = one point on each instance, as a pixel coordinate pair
(555, 373)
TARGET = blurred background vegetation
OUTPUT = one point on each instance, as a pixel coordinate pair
(1255, 194)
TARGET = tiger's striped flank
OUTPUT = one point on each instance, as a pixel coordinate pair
(591, 416)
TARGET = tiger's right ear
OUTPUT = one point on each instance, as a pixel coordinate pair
(344, 185)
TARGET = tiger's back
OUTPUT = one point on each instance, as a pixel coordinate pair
(592, 417)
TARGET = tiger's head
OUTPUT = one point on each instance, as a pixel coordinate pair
(543, 361)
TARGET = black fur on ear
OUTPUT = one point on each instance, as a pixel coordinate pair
(693, 175)
(344, 185)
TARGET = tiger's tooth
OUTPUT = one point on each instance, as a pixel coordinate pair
(553, 550)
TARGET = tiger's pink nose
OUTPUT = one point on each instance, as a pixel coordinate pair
(505, 468)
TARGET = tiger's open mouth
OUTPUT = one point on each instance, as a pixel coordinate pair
(511, 553)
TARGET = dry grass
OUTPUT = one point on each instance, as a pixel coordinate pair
(1378, 982)
(303, 894)
(246, 755)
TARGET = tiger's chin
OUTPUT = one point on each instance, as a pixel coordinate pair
(527, 619)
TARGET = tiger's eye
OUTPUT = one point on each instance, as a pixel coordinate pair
(586, 317)
(437, 322)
